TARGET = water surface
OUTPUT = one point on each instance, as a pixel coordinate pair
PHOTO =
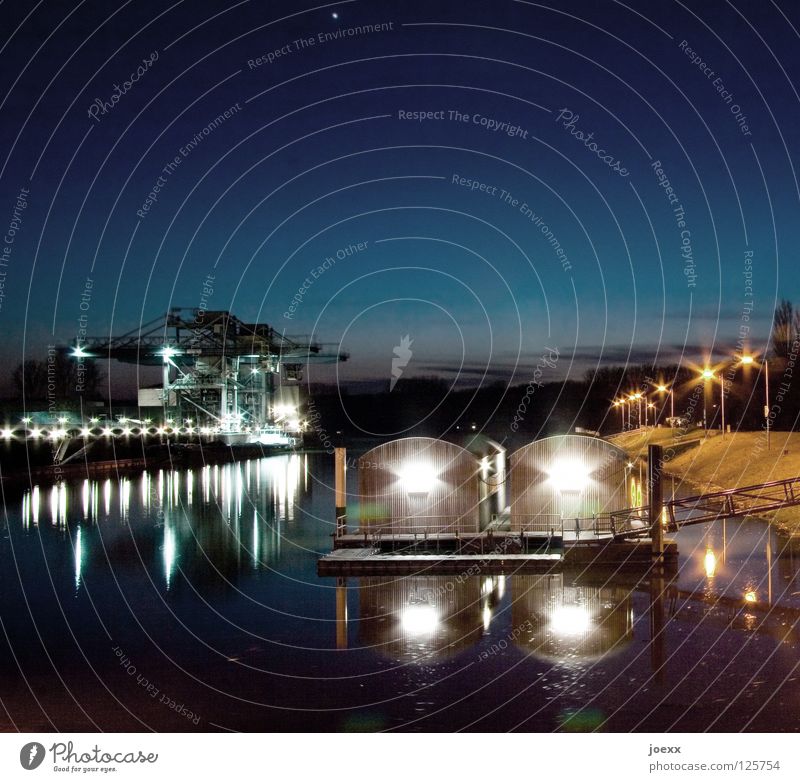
(189, 600)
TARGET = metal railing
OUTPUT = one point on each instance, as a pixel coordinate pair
(702, 508)
(418, 526)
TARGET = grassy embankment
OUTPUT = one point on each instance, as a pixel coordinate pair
(714, 463)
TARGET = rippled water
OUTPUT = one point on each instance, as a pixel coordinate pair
(189, 601)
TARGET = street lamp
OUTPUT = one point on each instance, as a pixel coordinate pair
(621, 407)
(662, 389)
(638, 397)
(747, 360)
(708, 374)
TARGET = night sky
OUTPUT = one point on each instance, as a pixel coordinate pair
(493, 176)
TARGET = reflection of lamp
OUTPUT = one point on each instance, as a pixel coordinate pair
(710, 562)
(570, 620)
(417, 478)
(569, 475)
(419, 618)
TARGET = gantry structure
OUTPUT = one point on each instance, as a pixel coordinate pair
(241, 378)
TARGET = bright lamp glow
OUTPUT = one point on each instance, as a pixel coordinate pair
(750, 597)
(418, 478)
(6, 434)
(662, 388)
(708, 374)
(79, 352)
(747, 359)
(569, 475)
(167, 352)
(419, 619)
(710, 563)
(570, 620)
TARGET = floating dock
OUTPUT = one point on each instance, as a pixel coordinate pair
(496, 554)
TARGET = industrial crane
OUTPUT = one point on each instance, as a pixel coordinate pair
(241, 379)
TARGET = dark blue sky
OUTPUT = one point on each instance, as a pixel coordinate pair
(314, 157)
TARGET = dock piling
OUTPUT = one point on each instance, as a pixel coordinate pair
(655, 472)
(340, 490)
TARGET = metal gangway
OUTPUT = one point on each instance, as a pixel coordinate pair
(686, 511)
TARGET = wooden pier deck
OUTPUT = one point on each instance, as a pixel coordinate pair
(367, 558)
(370, 561)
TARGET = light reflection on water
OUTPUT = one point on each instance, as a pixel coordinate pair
(232, 551)
(164, 502)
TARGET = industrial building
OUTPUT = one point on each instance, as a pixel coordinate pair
(238, 381)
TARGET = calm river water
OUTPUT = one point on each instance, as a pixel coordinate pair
(189, 600)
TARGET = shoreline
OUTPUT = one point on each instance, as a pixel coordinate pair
(717, 463)
(173, 456)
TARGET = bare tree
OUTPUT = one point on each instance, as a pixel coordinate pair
(785, 328)
(30, 379)
(60, 378)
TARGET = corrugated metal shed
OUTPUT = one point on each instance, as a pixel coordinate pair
(418, 484)
(565, 477)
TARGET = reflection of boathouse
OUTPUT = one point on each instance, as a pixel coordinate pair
(565, 477)
(564, 622)
(419, 617)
